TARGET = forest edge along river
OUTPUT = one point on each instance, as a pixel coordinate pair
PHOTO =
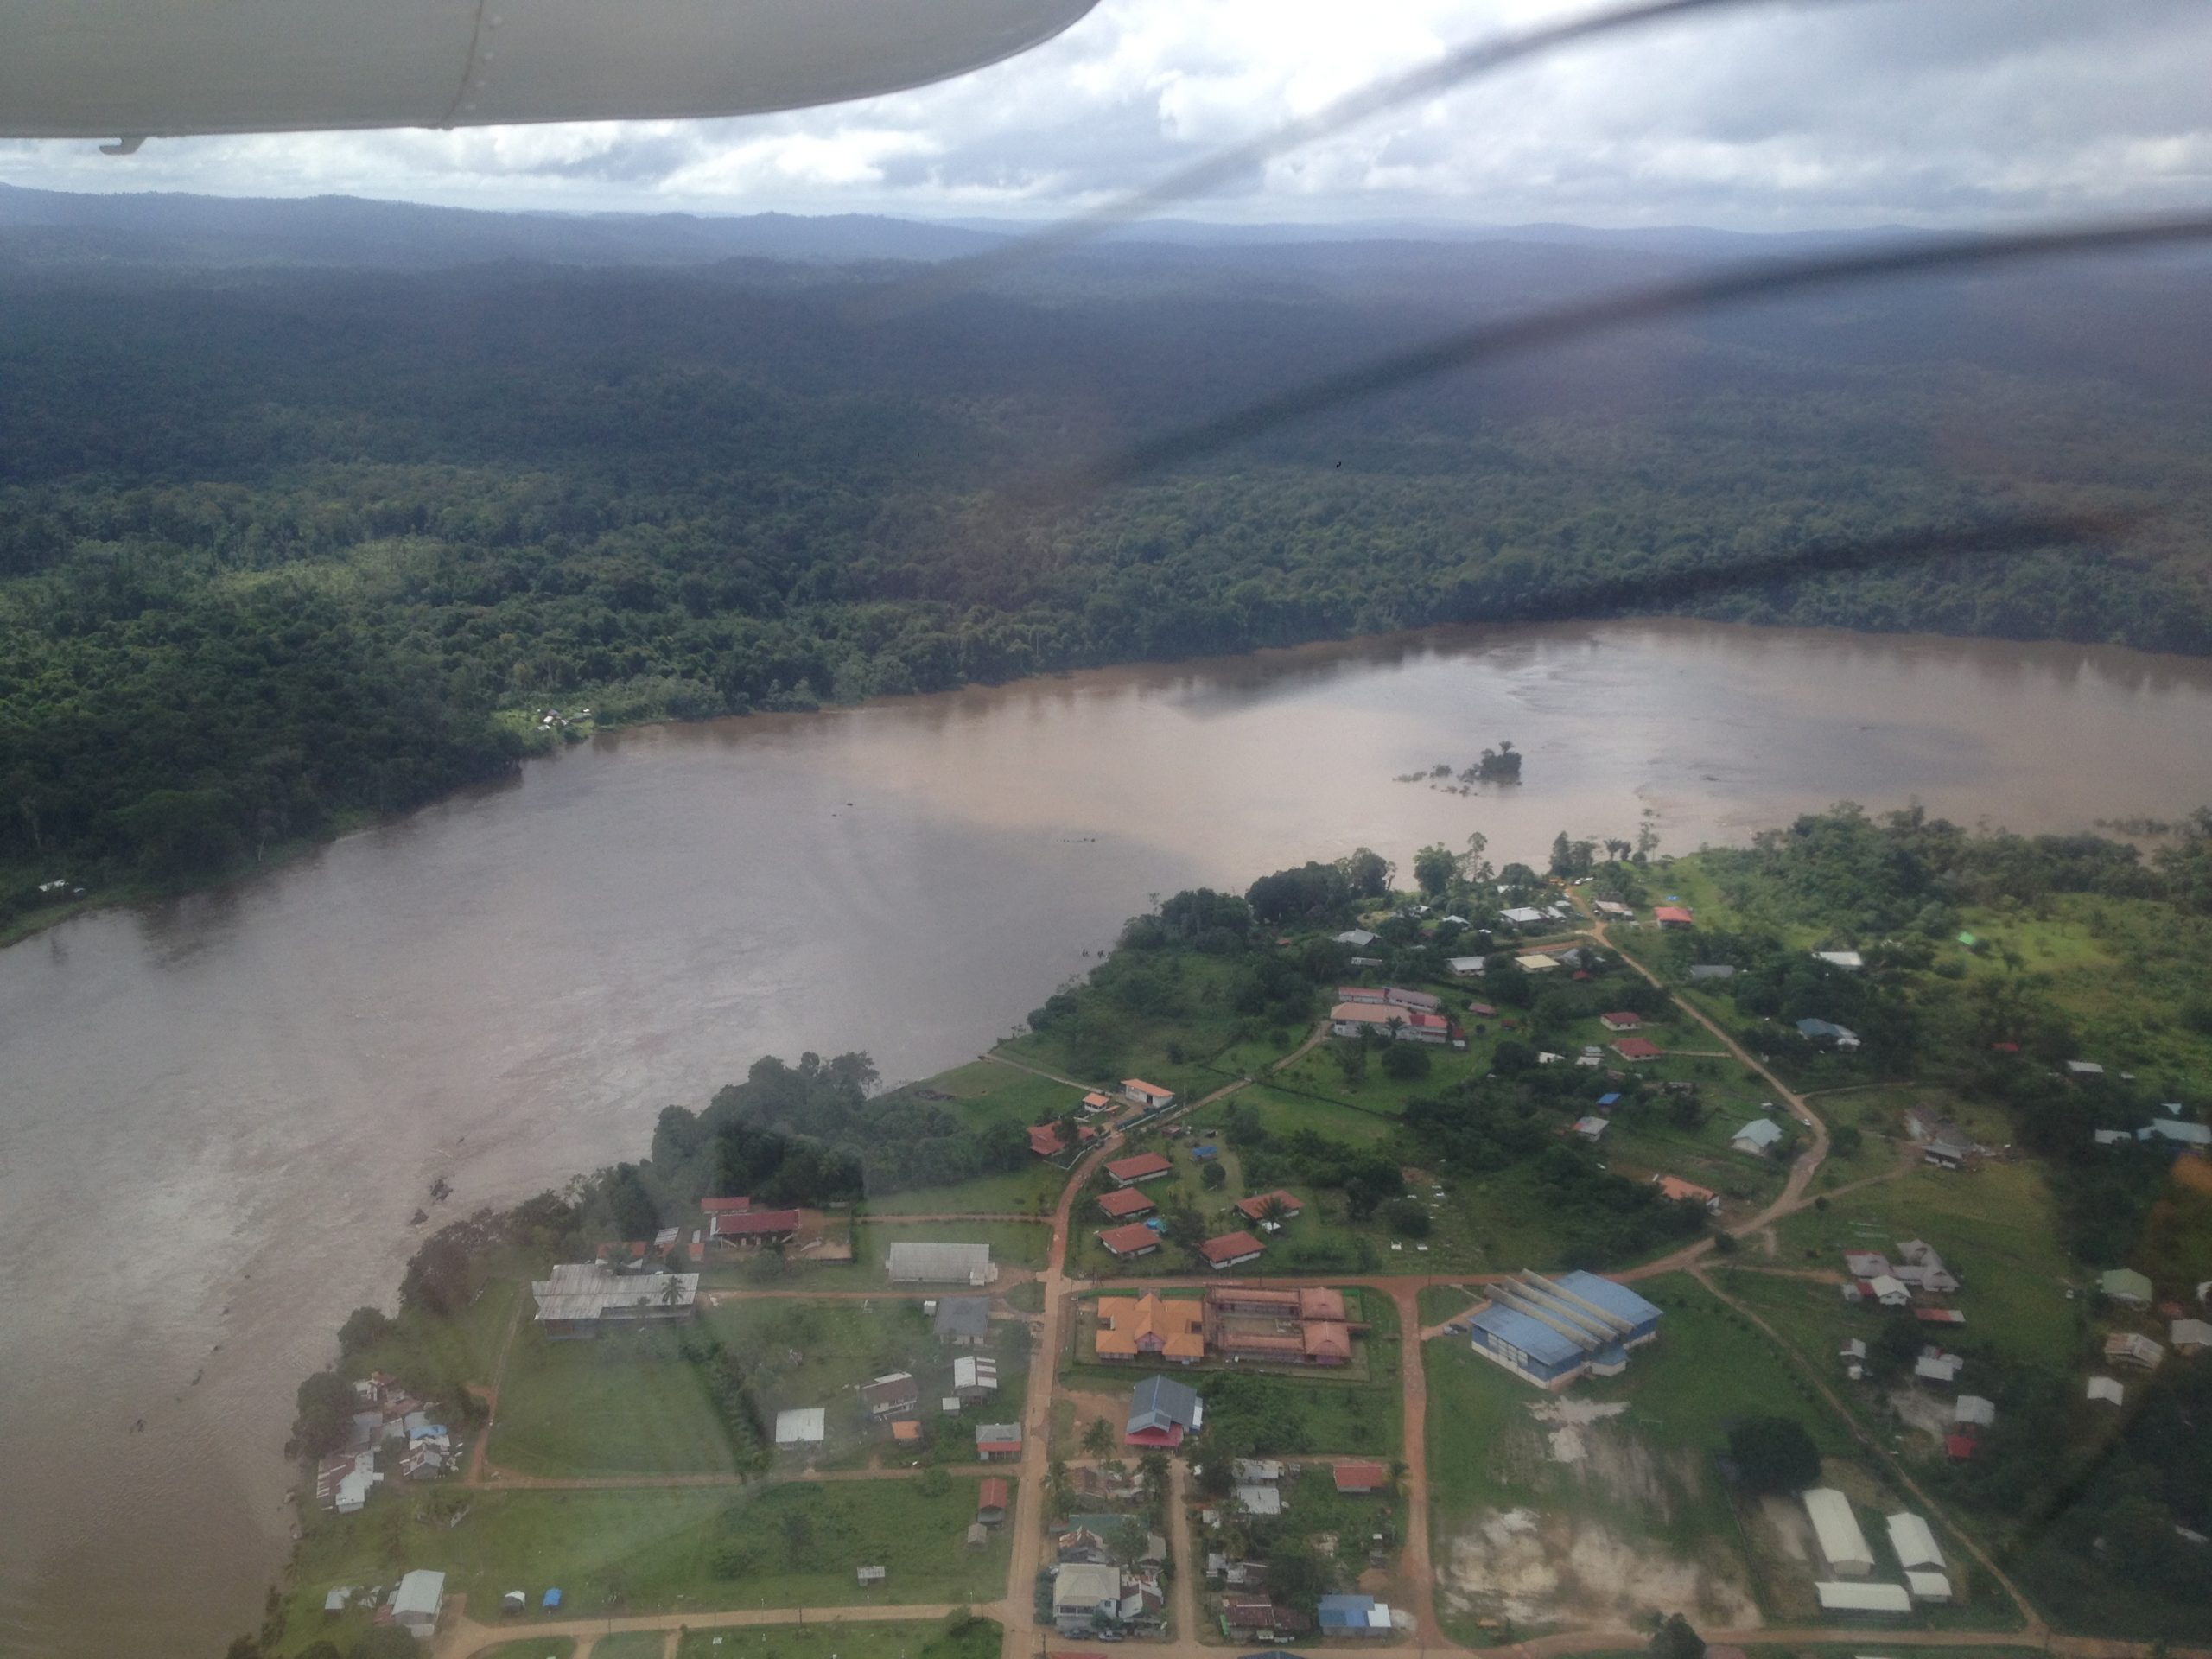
(220, 1112)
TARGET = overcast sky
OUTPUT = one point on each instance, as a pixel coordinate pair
(1783, 116)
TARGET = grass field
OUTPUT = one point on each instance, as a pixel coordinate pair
(666, 1551)
(563, 1647)
(875, 1639)
(1440, 1302)
(631, 1645)
(1994, 1228)
(628, 1403)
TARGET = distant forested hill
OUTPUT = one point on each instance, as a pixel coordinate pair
(300, 533)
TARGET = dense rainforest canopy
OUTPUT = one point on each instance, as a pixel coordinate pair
(281, 545)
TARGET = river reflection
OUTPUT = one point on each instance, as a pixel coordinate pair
(220, 1113)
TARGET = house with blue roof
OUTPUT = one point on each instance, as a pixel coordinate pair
(1827, 1031)
(1550, 1331)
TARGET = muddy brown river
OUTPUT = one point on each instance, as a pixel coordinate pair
(217, 1116)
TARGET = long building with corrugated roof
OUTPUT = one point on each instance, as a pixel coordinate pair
(1553, 1330)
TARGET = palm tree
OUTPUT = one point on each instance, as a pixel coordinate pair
(1099, 1439)
(1152, 1466)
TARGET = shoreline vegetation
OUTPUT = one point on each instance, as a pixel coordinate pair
(2033, 1002)
(288, 549)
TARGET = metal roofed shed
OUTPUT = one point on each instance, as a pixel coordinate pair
(1913, 1542)
(801, 1427)
(414, 1605)
(2107, 1389)
(1863, 1598)
(2125, 1285)
(1843, 1546)
(579, 1295)
(966, 1318)
(1759, 1136)
(1926, 1585)
(1973, 1409)
(940, 1264)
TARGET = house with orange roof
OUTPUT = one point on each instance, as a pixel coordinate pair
(1151, 1326)
(1144, 1166)
(1679, 1191)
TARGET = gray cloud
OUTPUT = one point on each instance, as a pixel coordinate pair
(1790, 116)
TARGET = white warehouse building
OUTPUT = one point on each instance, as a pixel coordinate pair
(1842, 1544)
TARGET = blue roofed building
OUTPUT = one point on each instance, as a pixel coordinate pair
(1552, 1331)
(1354, 1615)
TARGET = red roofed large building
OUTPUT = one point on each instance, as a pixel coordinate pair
(1145, 1166)
(1637, 1048)
(1125, 1202)
(1229, 1251)
(1673, 916)
(1150, 1095)
(1135, 1239)
(1044, 1141)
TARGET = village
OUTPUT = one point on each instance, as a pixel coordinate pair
(1136, 1410)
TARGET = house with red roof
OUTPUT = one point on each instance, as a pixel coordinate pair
(1133, 1239)
(1231, 1250)
(991, 1501)
(1360, 1475)
(1673, 916)
(1125, 1204)
(1144, 1166)
(725, 1207)
(1623, 1020)
(1637, 1048)
(1255, 1209)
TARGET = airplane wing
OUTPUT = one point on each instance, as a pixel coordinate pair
(132, 68)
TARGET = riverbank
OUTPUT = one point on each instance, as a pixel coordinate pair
(506, 987)
(1483, 1164)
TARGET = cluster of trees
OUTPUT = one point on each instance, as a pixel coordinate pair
(812, 1134)
(281, 550)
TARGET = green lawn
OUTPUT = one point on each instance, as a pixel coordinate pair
(562, 1647)
(629, 1404)
(1441, 1302)
(626, 1403)
(876, 1639)
(1994, 1228)
(667, 1551)
(631, 1645)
